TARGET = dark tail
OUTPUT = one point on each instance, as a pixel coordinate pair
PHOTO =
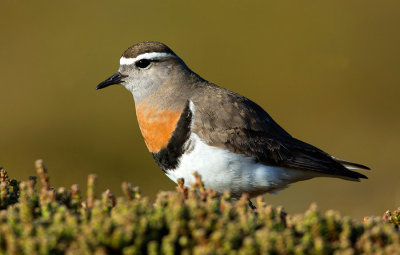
(352, 175)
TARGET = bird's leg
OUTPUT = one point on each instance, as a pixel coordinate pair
(252, 206)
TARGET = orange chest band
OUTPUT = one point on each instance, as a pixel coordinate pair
(157, 126)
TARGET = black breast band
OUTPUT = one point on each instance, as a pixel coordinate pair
(168, 157)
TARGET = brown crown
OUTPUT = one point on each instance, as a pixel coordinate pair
(146, 47)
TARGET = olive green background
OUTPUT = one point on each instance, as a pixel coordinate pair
(326, 71)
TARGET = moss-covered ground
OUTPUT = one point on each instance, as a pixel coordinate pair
(36, 218)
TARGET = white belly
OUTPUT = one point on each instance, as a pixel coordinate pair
(222, 170)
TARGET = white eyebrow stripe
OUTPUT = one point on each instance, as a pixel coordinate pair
(149, 55)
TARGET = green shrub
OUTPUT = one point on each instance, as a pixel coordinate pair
(187, 221)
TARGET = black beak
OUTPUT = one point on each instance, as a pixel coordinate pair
(113, 79)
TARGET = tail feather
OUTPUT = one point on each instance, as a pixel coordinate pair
(350, 165)
(353, 176)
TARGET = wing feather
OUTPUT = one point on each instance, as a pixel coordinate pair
(241, 126)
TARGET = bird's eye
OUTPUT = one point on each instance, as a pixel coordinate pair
(143, 63)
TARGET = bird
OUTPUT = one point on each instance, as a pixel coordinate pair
(192, 125)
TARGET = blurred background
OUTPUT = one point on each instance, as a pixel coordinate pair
(327, 72)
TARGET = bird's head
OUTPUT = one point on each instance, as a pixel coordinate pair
(145, 68)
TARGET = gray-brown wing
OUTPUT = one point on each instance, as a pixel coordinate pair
(228, 120)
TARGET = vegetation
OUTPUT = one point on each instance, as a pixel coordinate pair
(188, 221)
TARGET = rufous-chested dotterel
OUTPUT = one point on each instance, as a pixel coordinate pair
(190, 124)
